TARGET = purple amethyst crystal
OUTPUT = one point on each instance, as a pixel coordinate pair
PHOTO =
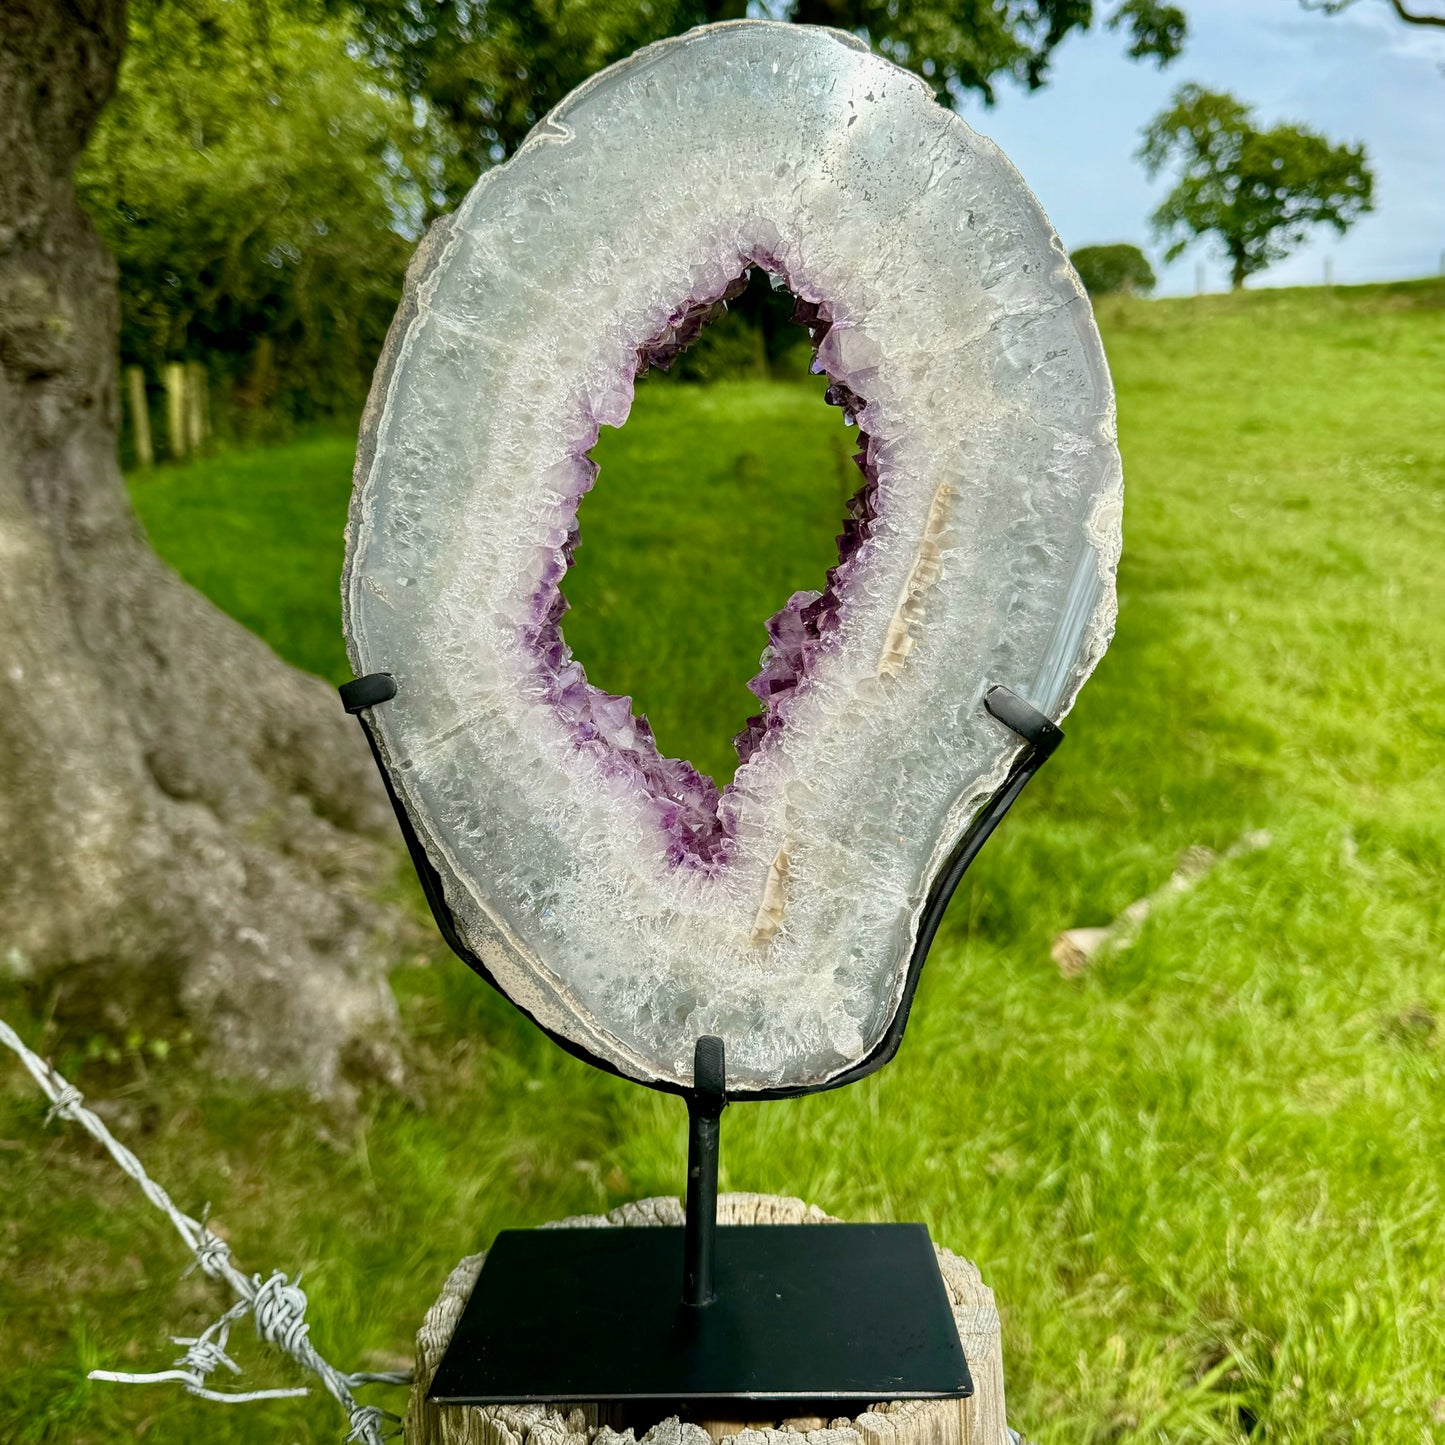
(615, 893)
(686, 803)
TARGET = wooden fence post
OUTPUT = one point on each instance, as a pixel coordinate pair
(979, 1420)
(198, 406)
(140, 417)
(175, 379)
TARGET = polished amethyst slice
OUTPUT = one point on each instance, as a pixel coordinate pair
(617, 895)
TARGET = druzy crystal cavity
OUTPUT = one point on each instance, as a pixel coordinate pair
(619, 897)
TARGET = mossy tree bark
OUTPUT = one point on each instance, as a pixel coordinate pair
(183, 818)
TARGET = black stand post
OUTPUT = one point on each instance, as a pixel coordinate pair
(704, 1130)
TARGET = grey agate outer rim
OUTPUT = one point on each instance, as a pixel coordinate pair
(1086, 620)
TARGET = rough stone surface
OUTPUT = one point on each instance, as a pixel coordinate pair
(179, 811)
(616, 895)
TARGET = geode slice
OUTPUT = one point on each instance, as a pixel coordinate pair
(614, 893)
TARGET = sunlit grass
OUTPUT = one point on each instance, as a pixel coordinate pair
(1206, 1179)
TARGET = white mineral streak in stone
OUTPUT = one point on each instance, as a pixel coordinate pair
(948, 306)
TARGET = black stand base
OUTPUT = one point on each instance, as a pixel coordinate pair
(808, 1319)
(801, 1318)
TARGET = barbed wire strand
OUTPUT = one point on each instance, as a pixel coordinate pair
(276, 1304)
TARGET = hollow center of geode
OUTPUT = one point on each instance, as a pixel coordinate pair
(688, 807)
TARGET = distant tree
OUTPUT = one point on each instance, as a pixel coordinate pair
(252, 180)
(490, 72)
(1106, 269)
(1410, 17)
(1258, 193)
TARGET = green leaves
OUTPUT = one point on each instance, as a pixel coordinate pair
(253, 180)
(1258, 192)
(1108, 269)
(488, 74)
(266, 163)
(1158, 31)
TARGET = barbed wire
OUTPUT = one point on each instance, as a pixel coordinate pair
(275, 1303)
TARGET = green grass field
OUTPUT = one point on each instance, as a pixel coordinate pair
(1206, 1179)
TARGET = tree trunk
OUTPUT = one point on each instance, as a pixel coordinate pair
(179, 810)
(1238, 273)
(978, 1420)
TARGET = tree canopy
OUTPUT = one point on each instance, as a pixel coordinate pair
(489, 72)
(1107, 269)
(266, 164)
(254, 181)
(1257, 192)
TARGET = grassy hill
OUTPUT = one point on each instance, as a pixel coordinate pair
(1205, 1178)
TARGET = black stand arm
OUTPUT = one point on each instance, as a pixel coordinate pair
(704, 1130)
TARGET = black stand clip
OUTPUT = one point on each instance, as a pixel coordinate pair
(364, 692)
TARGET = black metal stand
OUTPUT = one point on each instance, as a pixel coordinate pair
(799, 1318)
(704, 1138)
(794, 1319)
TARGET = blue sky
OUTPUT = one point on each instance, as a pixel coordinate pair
(1358, 76)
